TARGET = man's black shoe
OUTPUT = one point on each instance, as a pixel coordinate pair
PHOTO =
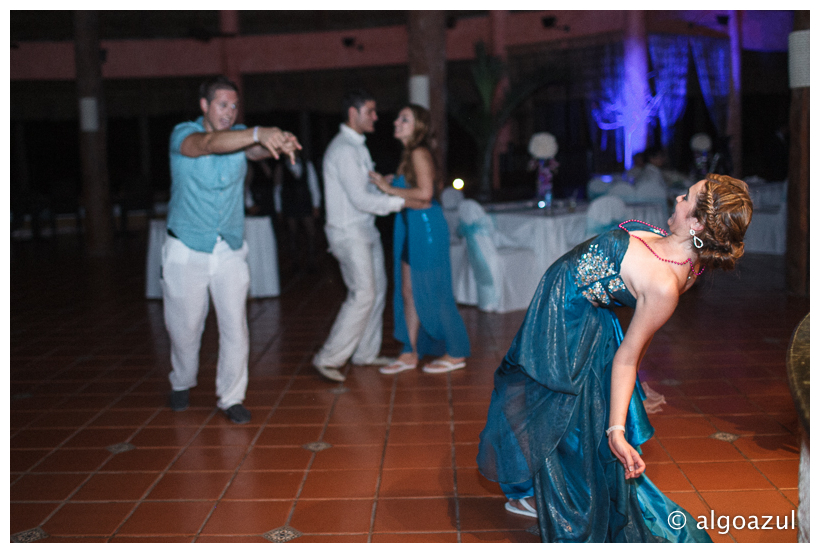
(178, 400)
(238, 414)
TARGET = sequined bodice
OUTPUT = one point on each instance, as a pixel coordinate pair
(598, 277)
(596, 265)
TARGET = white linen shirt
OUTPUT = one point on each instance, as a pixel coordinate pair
(351, 200)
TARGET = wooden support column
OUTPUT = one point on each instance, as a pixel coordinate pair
(498, 49)
(427, 61)
(734, 122)
(228, 30)
(96, 195)
(797, 233)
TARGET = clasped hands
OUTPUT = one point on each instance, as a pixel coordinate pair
(382, 182)
(277, 142)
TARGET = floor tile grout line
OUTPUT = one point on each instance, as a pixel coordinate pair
(252, 443)
(394, 386)
(65, 399)
(752, 456)
(95, 471)
(236, 471)
(88, 422)
(77, 392)
(453, 462)
(700, 492)
(306, 471)
(249, 449)
(309, 354)
(264, 425)
(162, 474)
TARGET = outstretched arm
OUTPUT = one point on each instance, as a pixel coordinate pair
(272, 142)
(653, 309)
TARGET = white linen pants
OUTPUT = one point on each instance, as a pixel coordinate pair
(187, 278)
(357, 332)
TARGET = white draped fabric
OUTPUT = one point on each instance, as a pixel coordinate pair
(262, 258)
(450, 200)
(602, 213)
(496, 278)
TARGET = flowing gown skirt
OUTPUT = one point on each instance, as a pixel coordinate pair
(547, 420)
(422, 239)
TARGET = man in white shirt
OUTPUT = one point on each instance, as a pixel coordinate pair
(351, 206)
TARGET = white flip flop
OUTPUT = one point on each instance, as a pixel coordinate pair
(442, 366)
(529, 512)
(397, 366)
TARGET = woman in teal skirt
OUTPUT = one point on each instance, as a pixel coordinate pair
(425, 317)
(566, 418)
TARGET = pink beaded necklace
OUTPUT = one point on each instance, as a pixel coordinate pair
(664, 233)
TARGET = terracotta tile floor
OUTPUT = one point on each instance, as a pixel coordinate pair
(89, 362)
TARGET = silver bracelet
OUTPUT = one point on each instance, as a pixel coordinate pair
(615, 427)
(256, 135)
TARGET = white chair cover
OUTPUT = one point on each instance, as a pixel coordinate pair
(604, 212)
(623, 190)
(477, 228)
(450, 198)
(596, 188)
(649, 190)
(502, 278)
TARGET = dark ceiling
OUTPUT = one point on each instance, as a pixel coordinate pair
(38, 25)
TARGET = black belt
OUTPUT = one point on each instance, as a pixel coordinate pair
(171, 233)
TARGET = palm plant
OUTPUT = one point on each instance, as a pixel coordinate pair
(485, 121)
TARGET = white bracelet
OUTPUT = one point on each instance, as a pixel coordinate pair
(615, 427)
(256, 135)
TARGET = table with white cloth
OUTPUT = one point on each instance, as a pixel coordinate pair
(548, 234)
(262, 258)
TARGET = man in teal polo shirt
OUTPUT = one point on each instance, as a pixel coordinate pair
(205, 252)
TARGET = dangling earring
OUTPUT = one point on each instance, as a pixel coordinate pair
(695, 240)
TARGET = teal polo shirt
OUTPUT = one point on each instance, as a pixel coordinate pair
(207, 193)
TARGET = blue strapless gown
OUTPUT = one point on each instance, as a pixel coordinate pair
(550, 408)
(421, 238)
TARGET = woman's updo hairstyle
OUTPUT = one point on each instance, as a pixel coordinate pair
(724, 208)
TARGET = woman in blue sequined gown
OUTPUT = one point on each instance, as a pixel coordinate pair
(425, 317)
(566, 416)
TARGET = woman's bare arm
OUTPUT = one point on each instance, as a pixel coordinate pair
(422, 162)
(657, 297)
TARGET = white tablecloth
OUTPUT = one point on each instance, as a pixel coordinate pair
(547, 235)
(552, 235)
(262, 258)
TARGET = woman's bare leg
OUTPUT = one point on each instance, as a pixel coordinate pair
(411, 316)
